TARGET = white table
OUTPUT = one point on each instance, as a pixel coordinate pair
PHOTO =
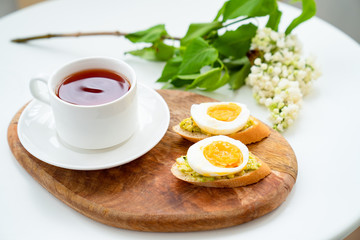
(324, 203)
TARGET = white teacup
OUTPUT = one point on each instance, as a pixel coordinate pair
(91, 126)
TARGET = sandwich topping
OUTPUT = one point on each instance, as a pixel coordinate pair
(218, 156)
(188, 124)
(223, 154)
(220, 117)
(224, 112)
(184, 167)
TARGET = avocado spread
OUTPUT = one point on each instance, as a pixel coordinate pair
(188, 124)
(185, 168)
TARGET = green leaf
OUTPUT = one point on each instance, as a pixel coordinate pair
(177, 82)
(248, 8)
(274, 19)
(222, 81)
(163, 51)
(147, 53)
(170, 70)
(236, 63)
(157, 52)
(236, 43)
(212, 79)
(198, 30)
(206, 80)
(197, 55)
(189, 76)
(237, 79)
(149, 35)
(308, 11)
(220, 12)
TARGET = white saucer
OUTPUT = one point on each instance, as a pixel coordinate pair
(36, 131)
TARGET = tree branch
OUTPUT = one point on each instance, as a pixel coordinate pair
(79, 34)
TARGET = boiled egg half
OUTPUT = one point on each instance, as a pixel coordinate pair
(218, 156)
(220, 117)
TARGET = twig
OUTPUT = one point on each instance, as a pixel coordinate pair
(79, 34)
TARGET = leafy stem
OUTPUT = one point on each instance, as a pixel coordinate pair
(206, 59)
(79, 34)
(234, 22)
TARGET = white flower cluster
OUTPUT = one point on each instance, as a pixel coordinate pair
(280, 77)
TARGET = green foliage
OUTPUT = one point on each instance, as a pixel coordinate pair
(206, 79)
(147, 53)
(309, 10)
(237, 79)
(170, 70)
(150, 35)
(199, 30)
(163, 52)
(207, 59)
(159, 51)
(248, 8)
(274, 19)
(236, 43)
(197, 55)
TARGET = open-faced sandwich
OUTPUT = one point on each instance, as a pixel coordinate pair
(221, 118)
(220, 161)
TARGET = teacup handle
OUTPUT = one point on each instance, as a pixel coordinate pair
(40, 93)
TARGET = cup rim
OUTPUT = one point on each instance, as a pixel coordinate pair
(132, 84)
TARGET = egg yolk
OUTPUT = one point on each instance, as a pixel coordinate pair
(223, 154)
(224, 112)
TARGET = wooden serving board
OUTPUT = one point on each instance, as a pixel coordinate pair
(143, 195)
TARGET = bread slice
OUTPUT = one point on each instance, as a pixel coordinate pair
(239, 181)
(252, 134)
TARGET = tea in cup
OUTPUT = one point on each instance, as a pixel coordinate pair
(93, 100)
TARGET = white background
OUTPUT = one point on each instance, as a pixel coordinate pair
(324, 202)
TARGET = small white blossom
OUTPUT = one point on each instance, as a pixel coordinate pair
(257, 61)
(281, 77)
(275, 80)
(268, 102)
(263, 66)
(274, 36)
(280, 43)
(267, 56)
(277, 71)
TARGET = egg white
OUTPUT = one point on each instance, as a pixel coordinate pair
(201, 165)
(214, 126)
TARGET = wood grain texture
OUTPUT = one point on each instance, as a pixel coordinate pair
(143, 194)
